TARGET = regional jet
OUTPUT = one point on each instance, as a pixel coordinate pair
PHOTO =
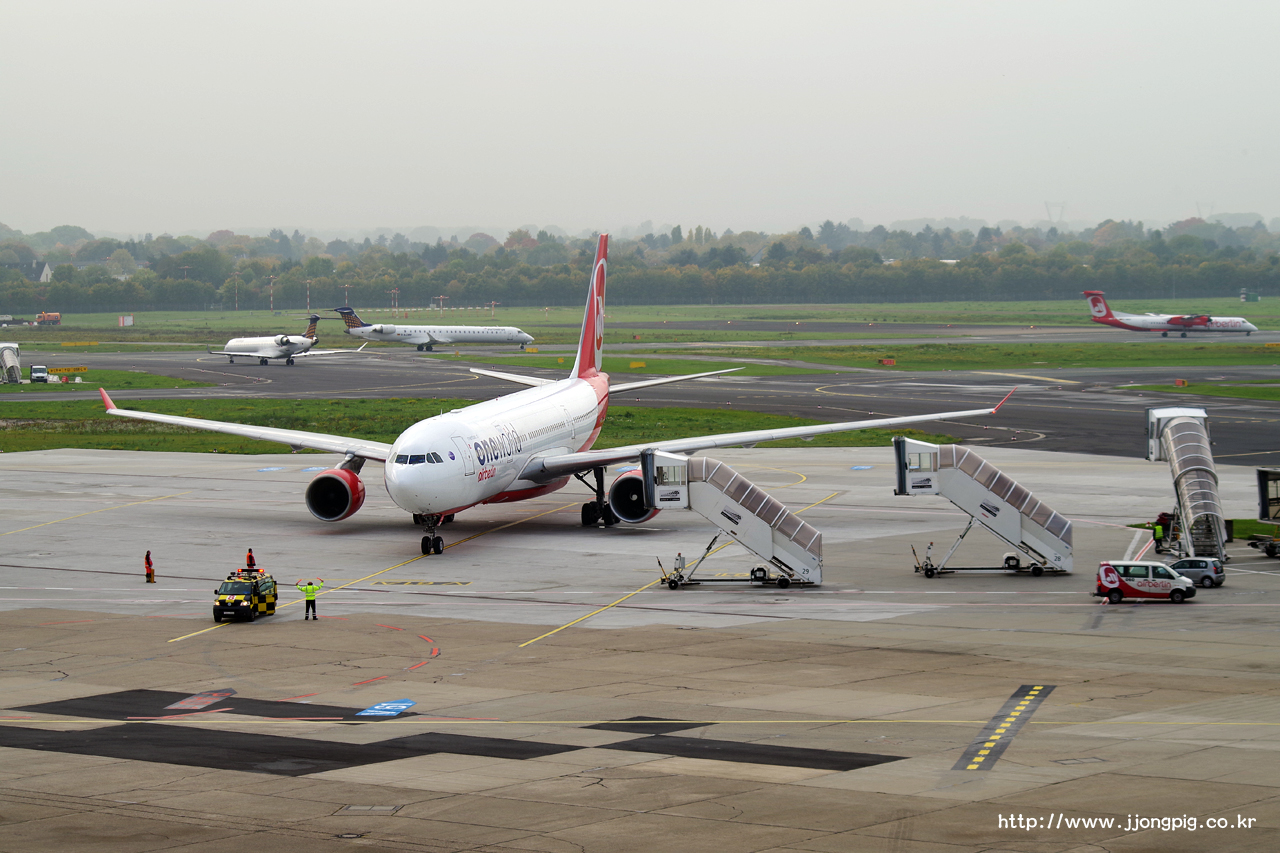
(428, 336)
(1163, 323)
(287, 347)
(515, 447)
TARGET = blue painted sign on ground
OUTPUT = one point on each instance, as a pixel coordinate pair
(387, 709)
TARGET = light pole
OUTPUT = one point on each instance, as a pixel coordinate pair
(492, 306)
(308, 296)
(346, 293)
(442, 298)
(237, 276)
(395, 299)
(271, 292)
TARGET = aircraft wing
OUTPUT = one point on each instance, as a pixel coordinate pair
(295, 438)
(550, 467)
(327, 351)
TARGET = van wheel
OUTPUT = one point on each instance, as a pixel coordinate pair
(1269, 550)
(217, 616)
(1177, 596)
(1207, 582)
(1115, 596)
(251, 615)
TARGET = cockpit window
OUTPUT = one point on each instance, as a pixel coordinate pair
(417, 459)
(435, 457)
(402, 459)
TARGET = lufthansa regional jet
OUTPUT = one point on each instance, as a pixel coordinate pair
(512, 448)
(428, 336)
(1163, 323)
(287, 347)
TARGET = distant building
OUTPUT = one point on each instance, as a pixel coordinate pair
(34, 271)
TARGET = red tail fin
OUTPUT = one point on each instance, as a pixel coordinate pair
(1098, 306)
(592, 341)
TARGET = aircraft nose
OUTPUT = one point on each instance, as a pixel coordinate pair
(408, 485)
(526, 338)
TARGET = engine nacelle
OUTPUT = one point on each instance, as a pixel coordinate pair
(384, 329)
(626, 498)
(335, 494)
(283, 340)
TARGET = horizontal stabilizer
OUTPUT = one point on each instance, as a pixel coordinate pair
(649, 383)
(534, 381)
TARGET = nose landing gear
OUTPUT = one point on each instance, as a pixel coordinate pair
(431, 543)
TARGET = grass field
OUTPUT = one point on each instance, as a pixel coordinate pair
(91, 380)
(47, 426)
(1030, 356)
(1244, 391)
(661, 366)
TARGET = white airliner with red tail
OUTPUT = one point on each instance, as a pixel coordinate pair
(512, 448)
(1163, 323)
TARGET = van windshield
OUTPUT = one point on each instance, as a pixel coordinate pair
(235, 588)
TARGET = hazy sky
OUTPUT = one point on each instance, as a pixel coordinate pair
(186, 117)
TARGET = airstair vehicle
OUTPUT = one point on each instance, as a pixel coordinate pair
(1180, 436)
(790, 548)
(10, 367)
(1040, 537)
(1268, 511)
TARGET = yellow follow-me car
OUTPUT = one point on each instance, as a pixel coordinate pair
(245, 596)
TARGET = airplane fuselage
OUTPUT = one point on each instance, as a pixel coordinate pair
(483, 449)
(396, 333)
(1176, 323)
(280, 346)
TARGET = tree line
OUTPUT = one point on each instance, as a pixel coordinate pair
(837, 264)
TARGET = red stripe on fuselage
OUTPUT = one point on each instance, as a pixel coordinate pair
(1111, 321)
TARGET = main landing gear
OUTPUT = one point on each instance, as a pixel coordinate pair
(289, 362)
(264, 362)
(425, 348)
(431, 543)
(598, 510)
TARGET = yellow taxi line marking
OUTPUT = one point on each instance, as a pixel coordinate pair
(435, 721)
(384, 571)
(589, 615)
(1055, 381)
(92, 511)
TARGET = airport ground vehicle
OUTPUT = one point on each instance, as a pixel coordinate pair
(245, 596)
(1205, 571)
(39, 373)
(1121, 579)
(48, 318)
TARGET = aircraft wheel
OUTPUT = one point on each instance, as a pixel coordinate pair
(1184, 334)
(609, 518)
(1269, 550)
(590, 514)
(448, 519)
(784, 582)
(288, 362)
(437, 544)
(426, 545)
(1247, 334)
(1037, 571)
(1207, 582)
(429, 348)
(231, 361)
(262, 362)
(1164, 334)
(1115, 596)
(421, 348)
(1177, 596)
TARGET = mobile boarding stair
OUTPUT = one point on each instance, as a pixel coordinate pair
(790, 548)
(1040, 537)
(1180, 435)
(10, 367)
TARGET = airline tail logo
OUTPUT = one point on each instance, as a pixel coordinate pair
(591, 346)
(350, 320)
(1097, 305)
(311, 327)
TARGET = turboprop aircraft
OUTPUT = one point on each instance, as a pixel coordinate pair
(512, 448)
(287, 347)
(1163, 323)
(428, 336)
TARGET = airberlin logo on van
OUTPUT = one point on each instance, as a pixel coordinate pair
(504, 445)
(1108, 576)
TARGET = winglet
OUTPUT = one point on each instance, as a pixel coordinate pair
(106, 400)
(1002, 402)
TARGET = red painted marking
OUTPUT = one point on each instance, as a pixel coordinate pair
(392, 627)
(415, 666)
(178, 716)
(379, 678)
(425, 637)
(435, 652)
(69, 622)
(303, 696)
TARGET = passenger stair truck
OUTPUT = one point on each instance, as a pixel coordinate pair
(1180, 436)
(1040, 536)
(10, 365)
(790, 548)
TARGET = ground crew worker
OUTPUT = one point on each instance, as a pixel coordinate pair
(1157, 536)
(250, 564)
(310, 590)
(151, 571)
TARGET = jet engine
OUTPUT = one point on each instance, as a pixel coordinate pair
(283, 340)
(384, 329)
(626, 498)
(335, 494)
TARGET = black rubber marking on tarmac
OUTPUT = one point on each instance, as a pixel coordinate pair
(753, 753)
(996, 735)
(645, 726)
(153, 703)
